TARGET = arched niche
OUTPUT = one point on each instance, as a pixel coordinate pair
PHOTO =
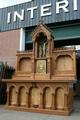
(42, 41)
(47, 98)
(64, 63)
(13, 96)
(41, 45)
(59, 98)
(34, 97)
(25, 65)
(22, 96)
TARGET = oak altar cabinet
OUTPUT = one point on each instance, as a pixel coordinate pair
(44, 77)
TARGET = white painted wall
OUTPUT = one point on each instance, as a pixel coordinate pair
(22, 40)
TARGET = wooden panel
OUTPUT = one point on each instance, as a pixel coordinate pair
(64, 63)
(23, 96)
(35, 97)
(48, 98)
(59, 98)
(25, 65)
(41, 66)
(13, 96)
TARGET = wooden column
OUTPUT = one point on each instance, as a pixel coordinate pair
(33, 61)
(49, 67)
(17, 101)
(65, 101)
(8, 100)
(27, 99)
(49, 47)
(53, 101)
(33, 65)
(41, 101)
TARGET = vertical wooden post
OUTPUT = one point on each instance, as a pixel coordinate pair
(17, 101)
(65, 101)
(53, 101)
(41, 101)
(27, 99)
(8, 98)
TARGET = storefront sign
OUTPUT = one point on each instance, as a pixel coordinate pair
(45, 10)
(29, 14)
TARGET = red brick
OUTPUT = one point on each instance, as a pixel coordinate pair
(9, 45)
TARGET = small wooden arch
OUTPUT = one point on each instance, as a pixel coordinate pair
(34, 97)
(12, 95)
(22, 98)
(59, 98)
(25, 64)
(64, 63)
(47, 98)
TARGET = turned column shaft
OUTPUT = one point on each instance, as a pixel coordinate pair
(8, 100)
(41, 101)
(53, 102)
(65, 102)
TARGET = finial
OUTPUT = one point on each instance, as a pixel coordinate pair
(41, 21)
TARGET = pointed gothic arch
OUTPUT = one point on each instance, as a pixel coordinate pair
(42, 41)
(22, 96)
(47, 98)
(34, 97)
(59, 98)
(13, 96)
(41, 28)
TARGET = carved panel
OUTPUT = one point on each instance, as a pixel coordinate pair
(64, 63)
(25, 65)
(41, 66)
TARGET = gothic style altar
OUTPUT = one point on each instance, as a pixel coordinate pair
(44, 77)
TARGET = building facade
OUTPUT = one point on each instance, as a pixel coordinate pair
(17, 25)
(20, 20)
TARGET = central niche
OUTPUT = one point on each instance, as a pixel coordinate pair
(42, 46)
(42, 49)
(41, 53)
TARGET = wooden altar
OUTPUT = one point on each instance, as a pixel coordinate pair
(44, 77)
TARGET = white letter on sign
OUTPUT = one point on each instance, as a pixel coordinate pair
(45, 10)
(32, 10)
(75, 5)
(9, 18)
(16, 14)
(62, 5)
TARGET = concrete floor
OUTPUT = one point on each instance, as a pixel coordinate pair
(14, 115)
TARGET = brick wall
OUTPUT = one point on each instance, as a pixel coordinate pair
(9, 45)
